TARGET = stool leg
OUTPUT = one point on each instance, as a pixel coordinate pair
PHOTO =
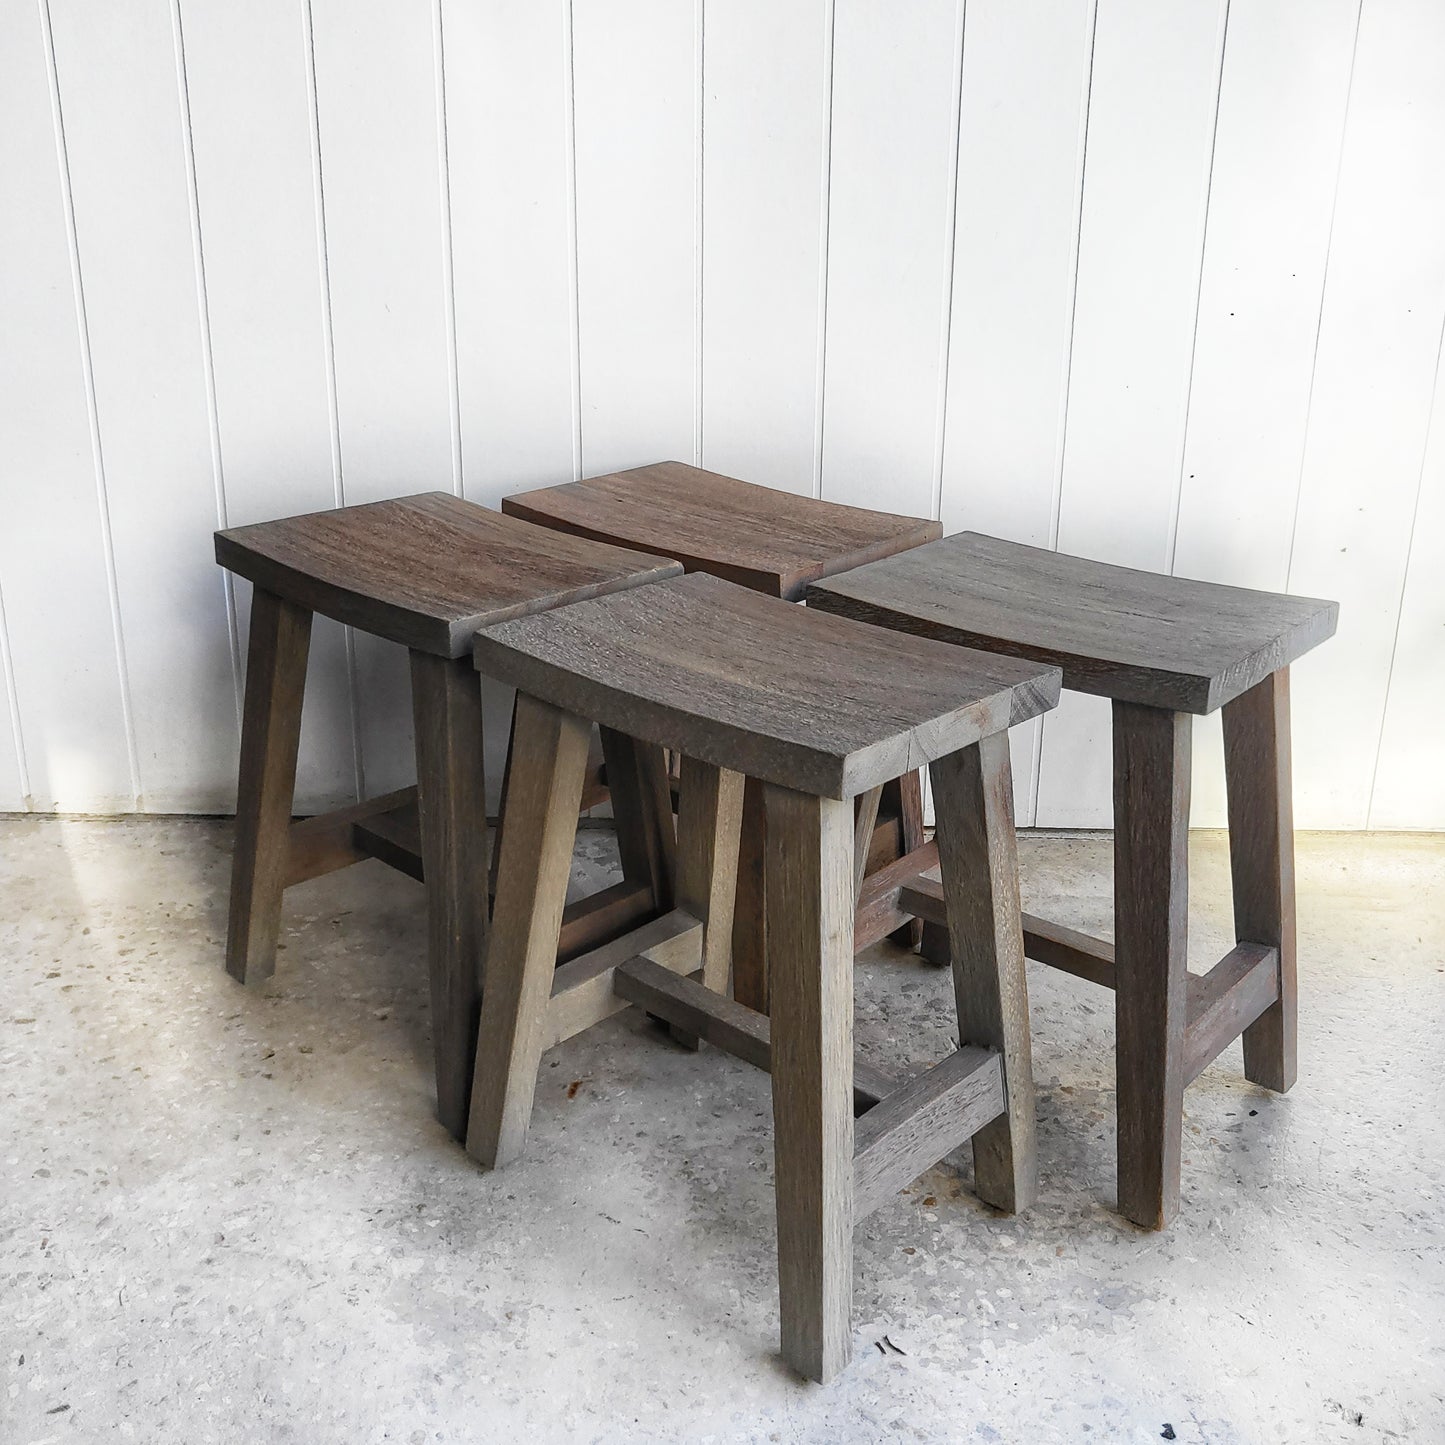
(910, 805)
(1261, 858)
(810, 958)
(446, 700)
(1151, 935)
(709, 820)
(270, 737)
(642, 808)
(548, 768)
(750, 916)
(978, 857)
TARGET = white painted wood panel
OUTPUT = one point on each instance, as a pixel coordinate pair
(62, 663)
(1276, 159)
(386, 247)
(635, 73)
(508, 89)
(1020, 157)
(14, 787)
(124, 131)
(765, 125)
(266, 301)
(890, 248)
(1373, 391)
(1409, 779)
(1149, 143)
(509, 163)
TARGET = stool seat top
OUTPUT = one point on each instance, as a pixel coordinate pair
(428, 570)
(820, 704)
(759, 537)
(1143, 637)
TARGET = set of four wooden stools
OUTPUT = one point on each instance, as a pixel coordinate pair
(798, 838)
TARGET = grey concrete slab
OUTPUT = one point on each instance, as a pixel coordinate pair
(228, 1215)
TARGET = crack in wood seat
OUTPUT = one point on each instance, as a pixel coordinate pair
(1162, 649)
(774, 542)
(825, 712)
(425, 572)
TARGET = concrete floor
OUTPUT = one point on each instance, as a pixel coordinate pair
(230, 1216)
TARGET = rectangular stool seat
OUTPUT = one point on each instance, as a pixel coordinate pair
(750, 683)
(428, 570)
(759, 537)
(1166, 642)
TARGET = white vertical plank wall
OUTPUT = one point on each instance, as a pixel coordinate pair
(1156, 281)
(1023, 112)
(266, 301)
(62, 667)
(765, 148)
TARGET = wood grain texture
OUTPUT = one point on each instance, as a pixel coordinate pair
(978, 862)
(909, 790)
(1151, 934)
(879, 910)
(1226, 1001)
(1261, 859)
(810, 965)
(452, 807)
(547, 774)
(709, 826)
(919, 1124)
(642, 809)
(327, 841)
(770, 541)
(740, 1031)
(428, 570)
(270, 738)
(864, 820)
(1141, 637)
(750, 908)
(746, 682)
(582, 990)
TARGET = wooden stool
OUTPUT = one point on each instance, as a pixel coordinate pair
(777, 543)
(822, 710)
(424, 571)
(1162, 648)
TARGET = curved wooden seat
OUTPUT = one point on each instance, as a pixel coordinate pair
(427, 571)
(1142, 637)
(817, 703)
(771, 541)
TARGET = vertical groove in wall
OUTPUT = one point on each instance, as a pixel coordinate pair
(328, 342)
(574, 297)
(1405, 576)
(92, 412)
(1173, 533)
(945, 341)
(12, 700)
(1056, 502)
(203, 310)
(1324, 291)
(448, 274)
(699, 239)
(825, 183)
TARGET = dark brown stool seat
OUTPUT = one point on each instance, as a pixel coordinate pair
(426, 572)
(773, 542)
(822, 711)
(1162, 648)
